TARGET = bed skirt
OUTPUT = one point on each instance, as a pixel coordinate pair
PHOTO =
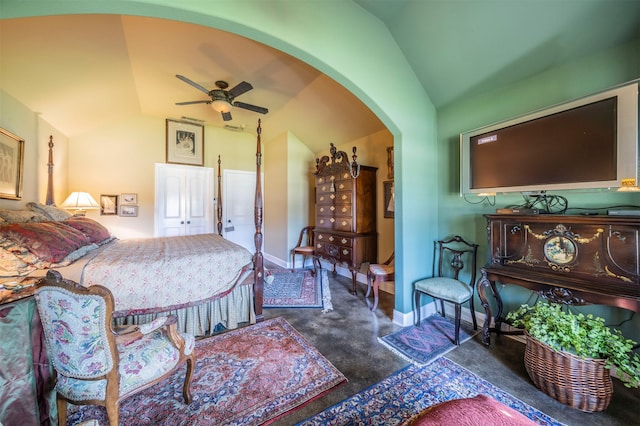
(204, 319)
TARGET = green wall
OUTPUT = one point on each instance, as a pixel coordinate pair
(572, 80)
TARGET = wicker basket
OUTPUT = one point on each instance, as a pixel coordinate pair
(584, 384)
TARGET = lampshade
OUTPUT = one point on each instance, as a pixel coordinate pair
(80, 201)
(221, 105)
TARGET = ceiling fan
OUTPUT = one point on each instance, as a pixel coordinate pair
(221, 99)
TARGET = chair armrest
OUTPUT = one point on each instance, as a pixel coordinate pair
(132, 332)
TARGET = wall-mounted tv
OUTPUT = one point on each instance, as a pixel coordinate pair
(589, 143)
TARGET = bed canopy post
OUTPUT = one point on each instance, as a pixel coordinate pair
(258, 262)
(219, 203)
(50, 201)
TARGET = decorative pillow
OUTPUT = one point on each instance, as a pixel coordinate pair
(12, 266)
(95, 231)
(51, 212)
(479, 410)
(48, 241)
(22, 216)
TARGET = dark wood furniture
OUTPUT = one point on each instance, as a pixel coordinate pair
(574, 260)
(345, 231)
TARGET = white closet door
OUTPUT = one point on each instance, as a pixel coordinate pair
(183, 200)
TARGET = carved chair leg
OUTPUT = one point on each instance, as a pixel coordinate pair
(376, 285)
(457, 322)
(473, 314)
(112, 412)
(368, 284)
(416, 296)
(61, 404)
(186, 389)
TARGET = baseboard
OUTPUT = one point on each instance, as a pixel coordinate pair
(406, 319)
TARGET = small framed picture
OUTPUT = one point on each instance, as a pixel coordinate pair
(108, 205)
(389, 199)
(185, 143)
(128, 199)
(11, 165)
(129, 211)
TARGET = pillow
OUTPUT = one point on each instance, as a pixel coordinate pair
(479, 410)
(21, 216)
(48, 241)
(12, 266)
(93, 230)
(50, 212)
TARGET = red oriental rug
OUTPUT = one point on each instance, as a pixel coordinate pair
(248, 376)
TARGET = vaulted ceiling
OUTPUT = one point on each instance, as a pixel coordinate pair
(81, 72)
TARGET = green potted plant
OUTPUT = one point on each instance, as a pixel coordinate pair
(569, 355)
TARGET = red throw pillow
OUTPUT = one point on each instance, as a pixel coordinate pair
(49, 241)
(479, 410)
(95, 231)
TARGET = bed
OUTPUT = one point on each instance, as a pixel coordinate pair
(208, 282)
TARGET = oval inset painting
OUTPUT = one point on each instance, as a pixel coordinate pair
(560, 250)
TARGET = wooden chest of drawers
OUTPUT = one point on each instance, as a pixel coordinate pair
(345, 231)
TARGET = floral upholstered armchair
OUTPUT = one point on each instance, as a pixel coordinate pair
(97, 364)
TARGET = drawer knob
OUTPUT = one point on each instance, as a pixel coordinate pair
(332, 208)
(320, 236)
(332, 220)
(331, 238)
(344, 223)
(345, 251)
(332, 196)
(344, 197)
(322, 221)
(321, 209)
(322, 198)
(341, 186)
(344, 210)
(344, 241)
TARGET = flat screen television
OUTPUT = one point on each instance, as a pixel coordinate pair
(589, 143)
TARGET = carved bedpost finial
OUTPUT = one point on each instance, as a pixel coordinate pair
(49, 200)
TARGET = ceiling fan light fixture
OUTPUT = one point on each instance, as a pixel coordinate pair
(221, 105)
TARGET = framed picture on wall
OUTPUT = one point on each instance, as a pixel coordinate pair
(11, 165)
(389, 199)
(129, 211)
(108, 205)
(185, 143)
(128, 199)
(390, 162)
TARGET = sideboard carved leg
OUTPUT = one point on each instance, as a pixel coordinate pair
(354, 276)
(485, 284)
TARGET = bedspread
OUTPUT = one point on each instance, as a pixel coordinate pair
(153, 274)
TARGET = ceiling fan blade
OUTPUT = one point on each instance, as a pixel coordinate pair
(193, 102)
(192, 83)
(226, 116)
(241, 88)
(250, 107)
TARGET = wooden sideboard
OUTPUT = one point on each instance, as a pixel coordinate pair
(574, 260)
(345, 231)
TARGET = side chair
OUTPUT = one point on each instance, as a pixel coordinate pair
(97, 364)
(447, 285)
(377, 273)
(305, 247)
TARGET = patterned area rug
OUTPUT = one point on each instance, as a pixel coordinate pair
(298, 289)
(411, 390)
(247, 376)
(422, 344)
